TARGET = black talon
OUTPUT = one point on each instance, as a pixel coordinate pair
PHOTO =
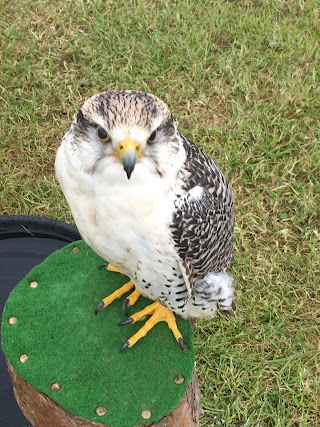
(104, 265)
(99, 307)
(181, 344)
(228, 314)
(126, 305)
(126, 322)
(125, 345)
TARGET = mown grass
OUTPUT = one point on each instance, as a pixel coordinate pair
(242, 78)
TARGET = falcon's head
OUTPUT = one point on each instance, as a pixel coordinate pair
(127, 130)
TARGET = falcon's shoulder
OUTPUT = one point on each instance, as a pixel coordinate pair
(202, 226)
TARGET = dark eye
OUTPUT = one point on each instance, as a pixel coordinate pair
(102, 134)
(152, 137)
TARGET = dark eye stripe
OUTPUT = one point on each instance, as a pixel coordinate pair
(82, 121)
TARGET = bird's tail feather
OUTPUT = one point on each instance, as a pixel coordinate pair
(214, 290)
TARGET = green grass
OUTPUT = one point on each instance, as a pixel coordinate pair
(242, 78)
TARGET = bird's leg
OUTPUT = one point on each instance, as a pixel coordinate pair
(156, 310)
(110, 267)
(159, 313)
(130, 300)
(118, 293)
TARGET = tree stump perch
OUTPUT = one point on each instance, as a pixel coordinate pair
(65, 363)
(41, 411)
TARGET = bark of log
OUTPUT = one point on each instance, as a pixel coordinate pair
(42, 411)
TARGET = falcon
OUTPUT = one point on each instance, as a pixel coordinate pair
(152, 204)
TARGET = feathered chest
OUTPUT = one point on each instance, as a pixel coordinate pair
(123, 220)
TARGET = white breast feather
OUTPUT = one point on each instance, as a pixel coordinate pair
(124, 221)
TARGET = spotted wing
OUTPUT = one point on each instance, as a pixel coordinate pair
(203, 221)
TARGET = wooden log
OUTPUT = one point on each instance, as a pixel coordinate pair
(65, 363)
(42, 411)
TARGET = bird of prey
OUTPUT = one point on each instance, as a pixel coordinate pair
(152, 204)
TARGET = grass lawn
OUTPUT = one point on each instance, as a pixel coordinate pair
(242, 78)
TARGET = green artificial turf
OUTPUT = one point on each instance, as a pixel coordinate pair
(67, 343)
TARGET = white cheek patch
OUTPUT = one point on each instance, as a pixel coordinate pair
(92, 133)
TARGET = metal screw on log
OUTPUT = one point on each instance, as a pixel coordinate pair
(33, 285)
(101, 410)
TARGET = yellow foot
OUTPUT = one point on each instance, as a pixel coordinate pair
(130, 300)
(110, 267)
(118, 293)
(158, 313)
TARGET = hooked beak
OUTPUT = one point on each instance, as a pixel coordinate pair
(128, 152)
